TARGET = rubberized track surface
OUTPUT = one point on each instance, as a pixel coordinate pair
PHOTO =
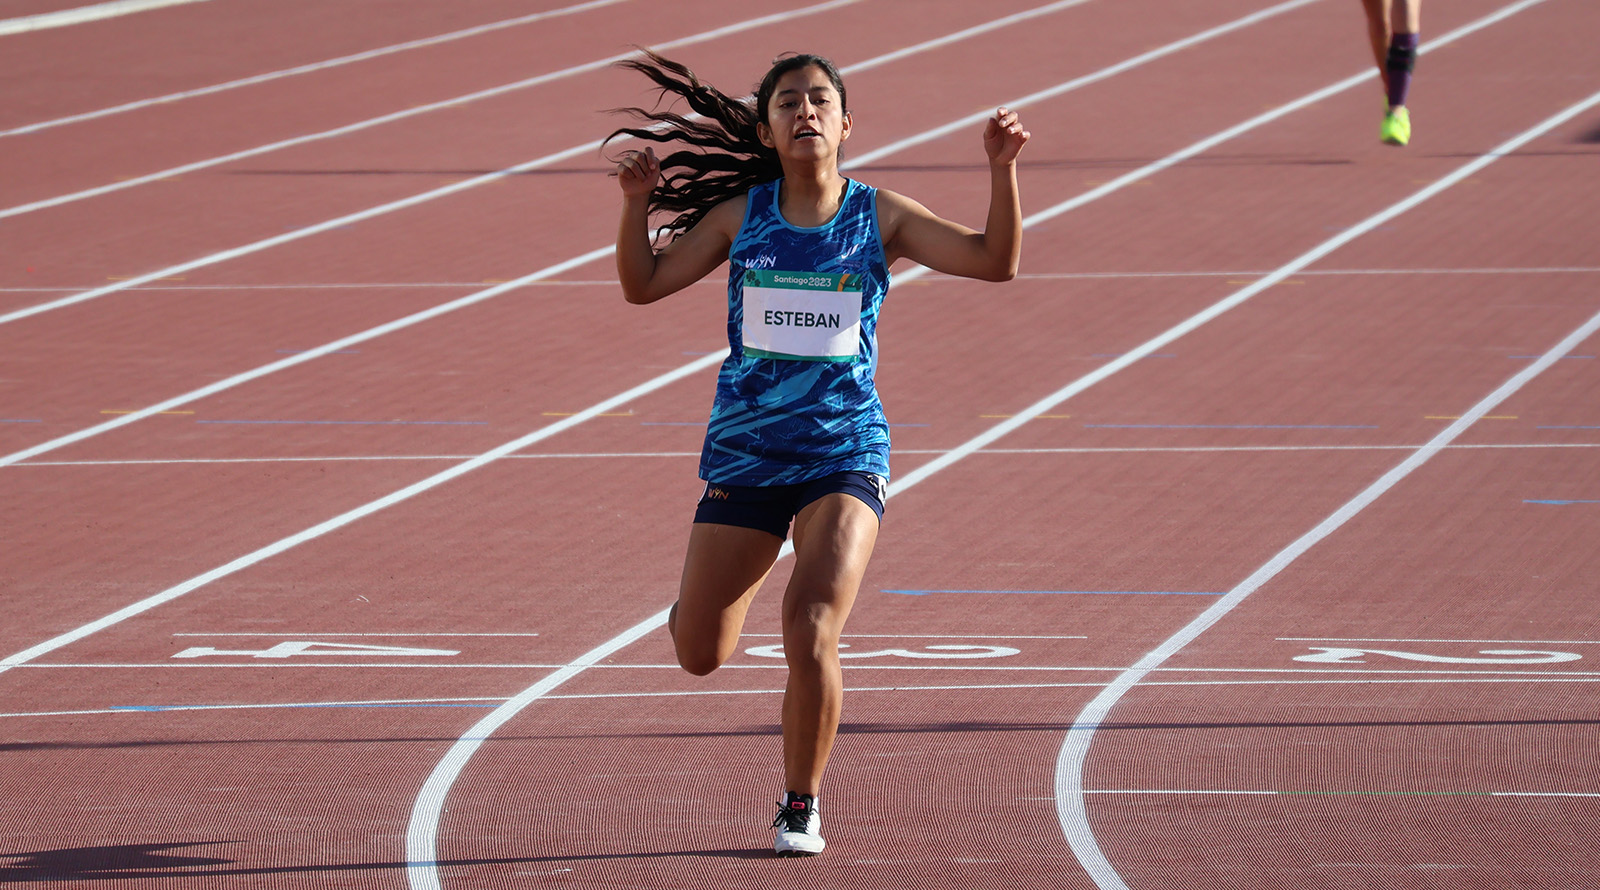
(1247, 540)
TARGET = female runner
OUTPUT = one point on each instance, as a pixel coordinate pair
(1392, 26)
(797, 433)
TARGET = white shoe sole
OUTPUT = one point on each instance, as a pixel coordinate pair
(793, 843)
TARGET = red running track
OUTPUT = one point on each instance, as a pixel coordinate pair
(255, 638)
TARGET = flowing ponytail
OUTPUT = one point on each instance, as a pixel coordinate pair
(726, 158)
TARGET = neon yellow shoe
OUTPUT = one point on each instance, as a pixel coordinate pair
(1396, 129)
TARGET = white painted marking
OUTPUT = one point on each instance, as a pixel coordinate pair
(429, 805)
(1074, 751)
(294, 648)
(1326, 655)
(1398, 794)
(1171, 791)
(964, 687)
(1239, 297)
(301, 636)
(611, 455)
(350, 516)
(900, 688)
(586, 148)
(599, 64)
(945, 651)
(314, 286)
(864, 667)
(347, 129)
(1080, 82)
(95, 13)
(471, 299)
(421, 869)
(1024, 276)
(946, 636)
(1312, 273)
(1500, 642)
(301, 358)
(169, 98)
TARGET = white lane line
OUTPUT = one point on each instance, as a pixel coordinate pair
(422, 832)
(493, 701)
(309, 68)
(64, 17)
(429, 805)
(965, 34)
(421, 868)
(943, 636)
(1025, 276)
(1397, 794)
(1070, 804)
(1381, 640)
(329, 225)
(347, 129)
(1321, 273)
(685, 455)
(960, 667)
(350, 516)
(299, 359)
(313, 634)
(1238, 297)
(1077, 83)
(471, 299)
(348, 219)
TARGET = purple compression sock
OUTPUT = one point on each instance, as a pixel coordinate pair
(1402, 60)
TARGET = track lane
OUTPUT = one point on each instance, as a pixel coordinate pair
(1074, 752)
(137, 58)
(389, 242)
(731, 817)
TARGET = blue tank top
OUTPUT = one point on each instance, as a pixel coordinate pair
(795, 397)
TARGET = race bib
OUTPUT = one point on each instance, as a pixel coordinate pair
(802, 316)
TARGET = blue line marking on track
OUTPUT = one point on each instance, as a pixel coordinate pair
(1556, 503)
(359, 422)
(1226, 426)
(1066, 592)
(20, 420)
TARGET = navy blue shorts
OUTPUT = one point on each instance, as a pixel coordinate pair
(770, 508)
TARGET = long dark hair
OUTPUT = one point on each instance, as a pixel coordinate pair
(726, 157)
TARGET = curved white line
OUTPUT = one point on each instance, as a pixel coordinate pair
(422, 833)
(1070, 802)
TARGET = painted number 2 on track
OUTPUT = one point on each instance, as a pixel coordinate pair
(1328, 655)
